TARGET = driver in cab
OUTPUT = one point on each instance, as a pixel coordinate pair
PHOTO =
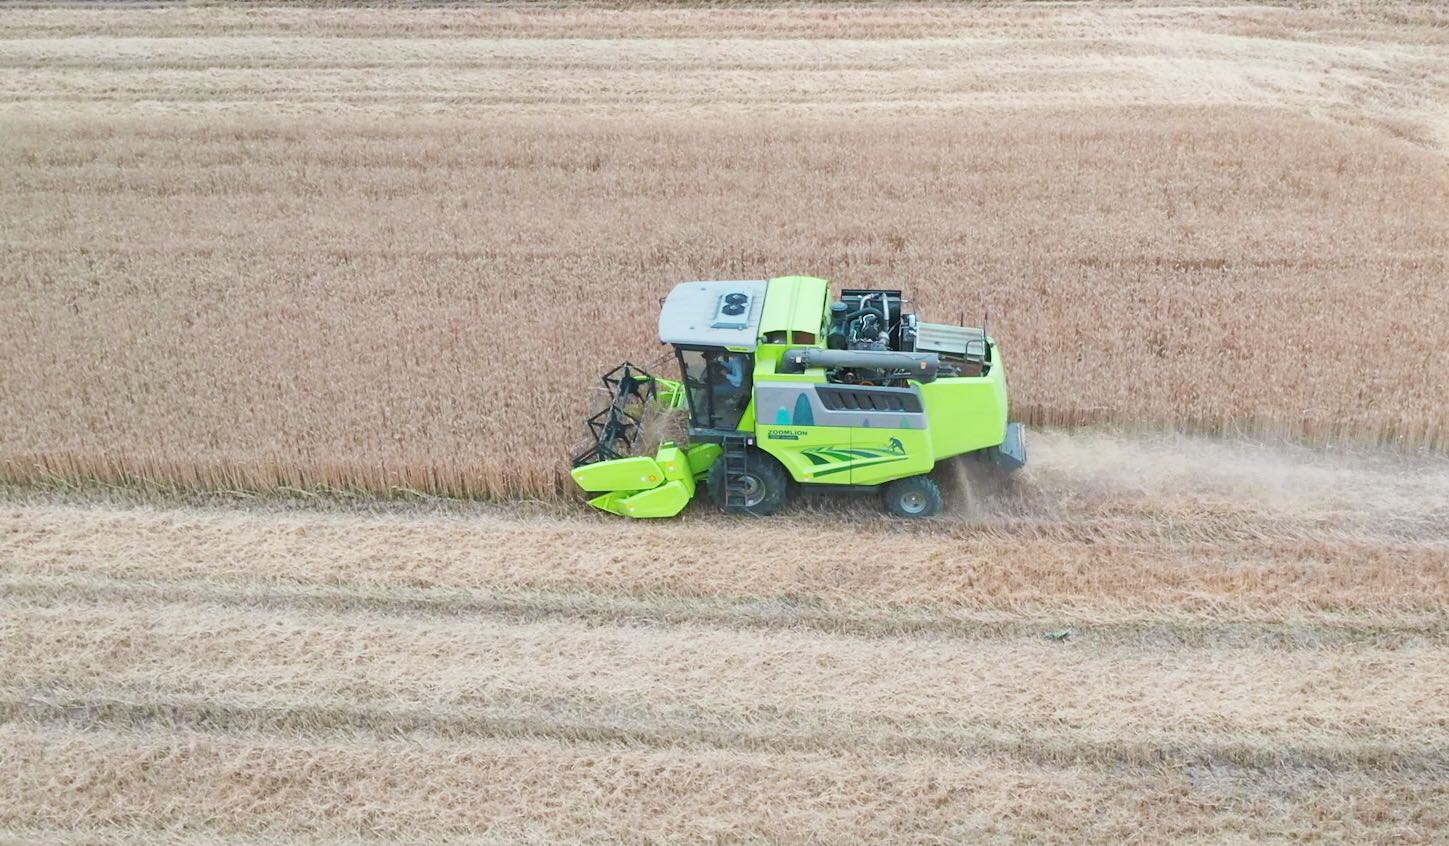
(730, 371)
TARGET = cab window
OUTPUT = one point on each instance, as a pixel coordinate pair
(718, 382)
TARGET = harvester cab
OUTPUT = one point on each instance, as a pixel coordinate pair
(781, 385)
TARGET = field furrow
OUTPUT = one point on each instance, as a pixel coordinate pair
(243, 662)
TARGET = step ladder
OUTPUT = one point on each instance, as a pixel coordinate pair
(736, 458)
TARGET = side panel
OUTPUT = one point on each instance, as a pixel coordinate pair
(620, 474)
(846, 406)
(647, 487)
(673, 462)
(838, 434)
(701, 457)
(966, 413)
(666, 500)
(809, 453)
(883, 455)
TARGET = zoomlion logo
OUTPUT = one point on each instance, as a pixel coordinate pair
(840, 459)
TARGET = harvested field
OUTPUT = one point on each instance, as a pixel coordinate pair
(1246, 660)
(359, 249)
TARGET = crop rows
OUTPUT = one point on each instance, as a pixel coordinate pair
(1241, 643)
(1169, 638)
(278, 254)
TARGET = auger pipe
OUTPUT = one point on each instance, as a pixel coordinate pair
(922, 367)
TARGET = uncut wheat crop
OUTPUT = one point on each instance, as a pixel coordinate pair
(393, 249)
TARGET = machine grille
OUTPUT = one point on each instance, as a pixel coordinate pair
(732, 311)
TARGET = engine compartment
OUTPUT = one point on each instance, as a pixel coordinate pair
(875, 321)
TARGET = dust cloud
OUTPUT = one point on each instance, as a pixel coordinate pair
(1099, 474)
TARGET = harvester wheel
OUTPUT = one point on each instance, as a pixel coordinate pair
(760, 490)
(914, 496)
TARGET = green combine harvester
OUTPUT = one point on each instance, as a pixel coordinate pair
(782, 385)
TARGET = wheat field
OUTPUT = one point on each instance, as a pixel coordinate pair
(300, 307)
(392, 249)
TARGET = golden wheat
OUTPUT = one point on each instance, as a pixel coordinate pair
(313, 249)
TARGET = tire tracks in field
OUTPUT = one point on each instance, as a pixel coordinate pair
(781, 733)
(1290, 631)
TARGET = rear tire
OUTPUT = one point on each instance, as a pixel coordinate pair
(913, 497)
(764, 485)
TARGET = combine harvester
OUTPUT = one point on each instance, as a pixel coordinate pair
(781, 384)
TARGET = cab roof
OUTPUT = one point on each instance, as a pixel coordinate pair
(695, 314)
(740, 314)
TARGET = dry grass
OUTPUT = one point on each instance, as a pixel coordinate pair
(356, 250)
(439, 791)
(1111, 530)
(1259, 650)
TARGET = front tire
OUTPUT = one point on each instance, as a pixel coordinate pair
(762, 486)
(913, 497)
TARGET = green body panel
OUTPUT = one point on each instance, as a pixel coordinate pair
(621, 474)
(794, 304)
(701, 457)
(747, 418)
(798, 448)
(613, 502)
(890, 454)
(675, 464)
(675, 471)
(966, 413)
(666, 500)
(836, 455)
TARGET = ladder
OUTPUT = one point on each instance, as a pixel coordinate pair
(736, 457)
